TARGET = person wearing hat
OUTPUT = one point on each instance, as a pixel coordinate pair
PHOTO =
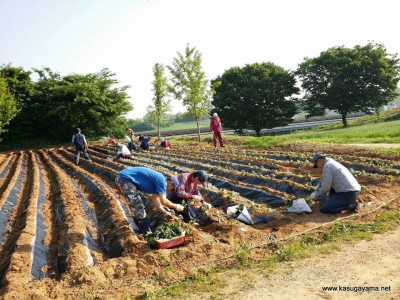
(336, 179)
(122, 151)
(79, 141)
(134, 182)
(165, 143)
(130, 133)
(131, 145)
(185, 187)
(216, 128)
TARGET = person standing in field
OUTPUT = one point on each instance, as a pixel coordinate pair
(216, 128)
(79, 141)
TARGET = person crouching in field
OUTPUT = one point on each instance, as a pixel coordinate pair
(112, 141)
(336, 179)
(144, 145)
(131, 145)
(185, 186)
(166, 144)
(134, 182)
(122, 152)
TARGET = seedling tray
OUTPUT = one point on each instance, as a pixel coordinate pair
(169, 243)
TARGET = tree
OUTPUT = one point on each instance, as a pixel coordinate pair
(8, 106)
(189, 83)
(90, 101)
(349, 80)
(161, 105)
(256, 96)
(19, 83)
(60, 104)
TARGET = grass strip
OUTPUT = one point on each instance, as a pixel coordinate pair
(209, 282)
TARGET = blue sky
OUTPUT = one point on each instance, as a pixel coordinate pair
(130, 36)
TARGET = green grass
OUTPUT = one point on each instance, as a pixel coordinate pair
(383, 132)
(205, 281)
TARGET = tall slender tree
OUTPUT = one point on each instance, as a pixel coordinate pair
(161, 104)
(189, 83)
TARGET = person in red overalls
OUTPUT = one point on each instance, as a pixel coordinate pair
(216, 128)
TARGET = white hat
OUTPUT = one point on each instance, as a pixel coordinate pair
(215, 115)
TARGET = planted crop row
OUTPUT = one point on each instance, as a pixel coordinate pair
(380, 167)
(247, 190)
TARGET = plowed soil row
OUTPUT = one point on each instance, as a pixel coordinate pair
(66, 232)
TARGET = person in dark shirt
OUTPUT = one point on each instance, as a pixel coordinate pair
(79, 141)
(144, 145)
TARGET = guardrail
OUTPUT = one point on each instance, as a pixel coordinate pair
(273, 131)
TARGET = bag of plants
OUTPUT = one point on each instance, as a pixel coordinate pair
(240, 212)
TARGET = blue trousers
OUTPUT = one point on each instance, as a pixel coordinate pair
(78, 151)
(337, 202)
(131, 146)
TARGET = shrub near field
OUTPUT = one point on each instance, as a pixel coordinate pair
(81, 241)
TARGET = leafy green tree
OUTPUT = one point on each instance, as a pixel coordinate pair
(8, 106)
(254, 97)
(90, 101)
(21, 87)
(349, 80)
(161, 105)
(19, 83)
(60, 104)
(189, 83)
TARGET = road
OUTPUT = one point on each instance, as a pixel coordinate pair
(367, 265)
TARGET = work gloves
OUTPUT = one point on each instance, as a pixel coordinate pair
(179, 208)
(167, 216)
(197, 198)
(206, 205)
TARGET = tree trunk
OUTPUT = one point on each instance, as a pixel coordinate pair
(159, 133)
(344, 119)
(198, 129)
(258, 132)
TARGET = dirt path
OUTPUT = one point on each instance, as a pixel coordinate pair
(366, 264)
(375, 146)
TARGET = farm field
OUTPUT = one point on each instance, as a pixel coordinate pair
(66, 231)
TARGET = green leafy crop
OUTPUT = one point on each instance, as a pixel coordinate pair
(165, 231)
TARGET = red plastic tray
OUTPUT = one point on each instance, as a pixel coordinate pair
(169, 243)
